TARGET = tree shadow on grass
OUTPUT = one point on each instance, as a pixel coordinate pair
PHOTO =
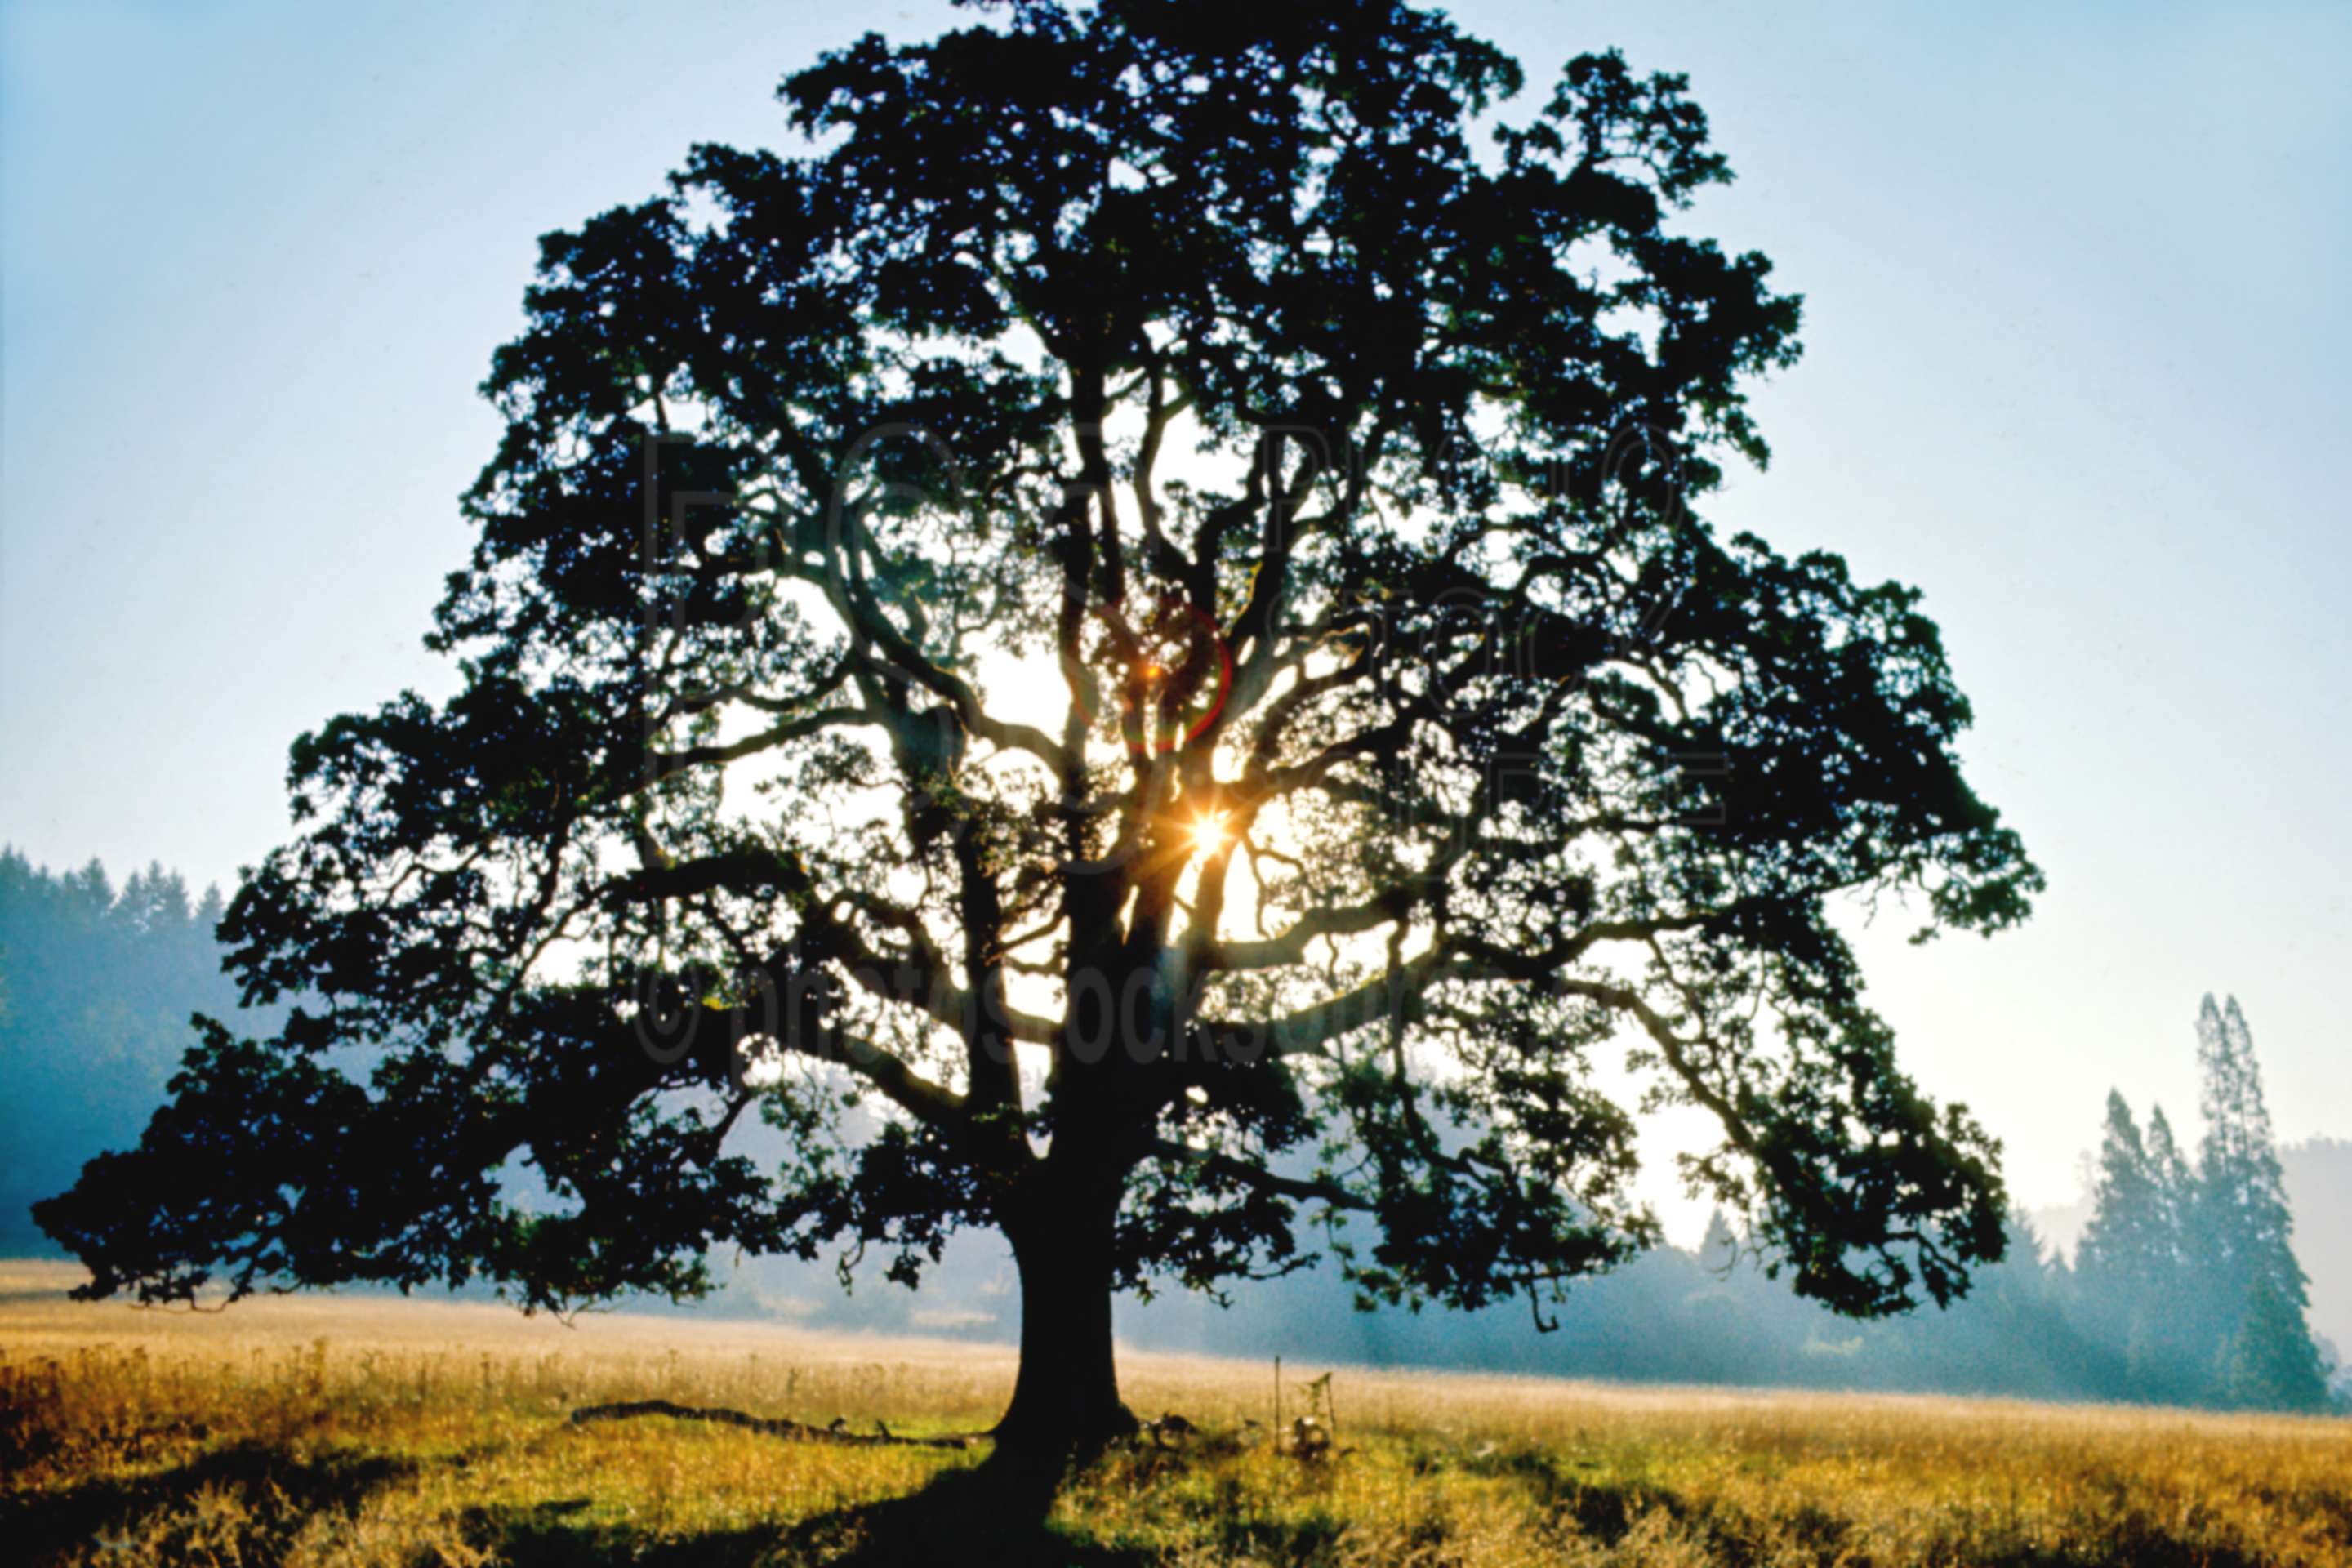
(961, 1517)
(543, 1536)
(279, 1493)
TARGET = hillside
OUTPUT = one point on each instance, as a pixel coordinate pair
(2319, 1189)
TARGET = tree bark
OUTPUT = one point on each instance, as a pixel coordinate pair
(1066, 1403)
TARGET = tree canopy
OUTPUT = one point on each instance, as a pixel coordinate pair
(1138, 605)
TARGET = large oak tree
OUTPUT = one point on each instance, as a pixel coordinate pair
(1123, 646)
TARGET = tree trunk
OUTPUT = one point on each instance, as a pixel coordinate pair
(1065, 1403)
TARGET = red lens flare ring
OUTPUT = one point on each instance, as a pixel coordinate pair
(1177, 641)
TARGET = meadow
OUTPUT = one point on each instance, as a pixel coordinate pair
(365, 1431)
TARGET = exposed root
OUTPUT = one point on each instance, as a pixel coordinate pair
(774, 1425)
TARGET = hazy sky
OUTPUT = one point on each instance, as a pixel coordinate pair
(2077, 335)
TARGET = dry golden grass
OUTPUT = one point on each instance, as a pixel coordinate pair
(322, 1430)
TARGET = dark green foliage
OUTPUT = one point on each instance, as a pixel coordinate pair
(1125, 420)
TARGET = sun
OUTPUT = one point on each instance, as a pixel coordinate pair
(1209, 831)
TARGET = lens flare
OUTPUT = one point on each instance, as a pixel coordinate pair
(1209, 831)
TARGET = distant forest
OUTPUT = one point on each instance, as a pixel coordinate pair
(2188, 1286)
(97, 985)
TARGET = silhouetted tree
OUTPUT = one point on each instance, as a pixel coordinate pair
(1138, 608)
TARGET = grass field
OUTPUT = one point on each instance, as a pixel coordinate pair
(315, 1430)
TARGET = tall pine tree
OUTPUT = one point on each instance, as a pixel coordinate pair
(2175, 1330)
(2176, 1184)
(2126, 1267)
(2243, 1230)
(2125, 1236)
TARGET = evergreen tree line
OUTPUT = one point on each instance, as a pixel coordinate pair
(2187, 1270)
(2185, 1288)
(97, 983)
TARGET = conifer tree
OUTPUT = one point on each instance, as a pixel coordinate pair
(2175, 1311)
(99, 983)
(2269, 1361)
(2126, 1235)
(2176, 1184)
(2243, 1230)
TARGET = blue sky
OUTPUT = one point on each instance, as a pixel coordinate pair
(2077, 336)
